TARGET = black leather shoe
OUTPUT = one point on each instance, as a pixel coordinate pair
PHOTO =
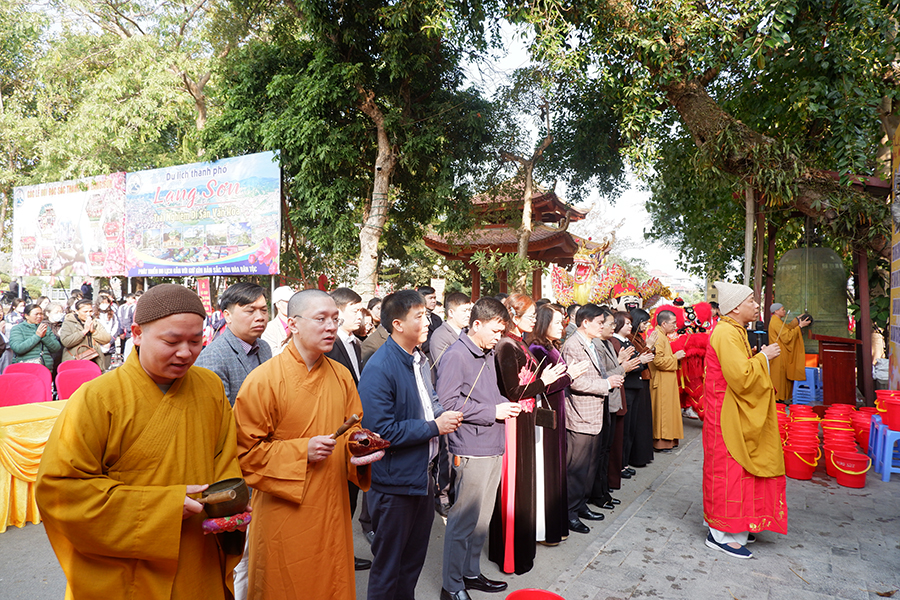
(586, 513)
(483, 584)
(460, 595)
(362, 564)
(663, 450)
(578, 527)
(615, 501)
(625, 475)
(608, 505)
(630, 470)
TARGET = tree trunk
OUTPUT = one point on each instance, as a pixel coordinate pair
(523, 234)
(705, 119)
(376, 211)
(760, 251)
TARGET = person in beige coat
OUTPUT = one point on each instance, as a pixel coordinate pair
(81, 331)
(667, 427)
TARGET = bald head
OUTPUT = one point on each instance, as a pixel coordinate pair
(303, 299)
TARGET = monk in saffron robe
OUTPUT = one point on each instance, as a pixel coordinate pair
(301, 539)
(790, 366)
(125, 452)
(667, 426)
(743, 464)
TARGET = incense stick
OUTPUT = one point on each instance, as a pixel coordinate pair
(474, 382)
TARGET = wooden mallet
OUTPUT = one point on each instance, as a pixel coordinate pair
(350, 422)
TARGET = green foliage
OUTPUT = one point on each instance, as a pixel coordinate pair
(491, 264)
(300, 88)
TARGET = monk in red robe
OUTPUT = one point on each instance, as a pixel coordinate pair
(743, 465)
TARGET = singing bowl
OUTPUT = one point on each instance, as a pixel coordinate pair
(229, 507)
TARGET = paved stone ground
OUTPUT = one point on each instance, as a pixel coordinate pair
(841, 543)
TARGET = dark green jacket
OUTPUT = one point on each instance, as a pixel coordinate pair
(27, 344)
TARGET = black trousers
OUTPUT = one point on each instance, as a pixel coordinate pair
(402, 530)
(599, 490)
(581, 468)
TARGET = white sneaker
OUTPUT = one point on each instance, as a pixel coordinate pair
(689, 413)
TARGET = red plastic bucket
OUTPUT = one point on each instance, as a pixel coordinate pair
(533, 595)
(851, 468)
(799, 462)
(891, 415)
(828, 455)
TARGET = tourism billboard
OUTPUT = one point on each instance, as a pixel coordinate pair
(216, 218)
(70, 228)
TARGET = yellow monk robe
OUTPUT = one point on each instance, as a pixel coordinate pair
(667, 423)
(743, 464)
(111, 486)
(790, 366)
(301, 538)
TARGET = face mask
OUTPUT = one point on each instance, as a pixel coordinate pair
(56, 317)
(20, 309)
(104, 306)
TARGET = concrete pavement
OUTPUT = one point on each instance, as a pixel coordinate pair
(841, 543)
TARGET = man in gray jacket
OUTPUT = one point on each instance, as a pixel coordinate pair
(239, 349)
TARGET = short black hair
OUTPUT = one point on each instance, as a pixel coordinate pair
(621, 316)
(714, 305)
(343, 296)
(456, 299)
(664, 316)
(426, 289)
(589, 312)
(488, 309)
(240, 294)
(373, 303)
(572, 310)
(30, 307)
(83, 302)
(397, 306)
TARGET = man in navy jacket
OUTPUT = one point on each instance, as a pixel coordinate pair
(401, 406)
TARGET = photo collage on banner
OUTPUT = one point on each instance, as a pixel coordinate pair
(221, 218)
(70, 228)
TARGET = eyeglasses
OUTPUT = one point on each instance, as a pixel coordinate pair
(321, 321)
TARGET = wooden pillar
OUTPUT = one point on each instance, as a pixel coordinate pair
(502, 280)
(476, 281)
(536, 283)
(864, 326)
(771, 233)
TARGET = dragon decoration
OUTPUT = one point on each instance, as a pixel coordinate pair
(593, 281)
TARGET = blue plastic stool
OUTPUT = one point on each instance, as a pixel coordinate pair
(887, 462)
(810, 389)
(875, 440)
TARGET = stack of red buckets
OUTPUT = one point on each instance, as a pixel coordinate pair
(842, 428)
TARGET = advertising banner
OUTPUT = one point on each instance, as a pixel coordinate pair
(203, 291)
(221, 218)
(70, 228)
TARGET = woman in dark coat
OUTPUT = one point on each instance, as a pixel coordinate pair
(553, 520)
(641, 453)
(521, 377)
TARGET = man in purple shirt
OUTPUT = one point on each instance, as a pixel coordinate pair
(467, 382)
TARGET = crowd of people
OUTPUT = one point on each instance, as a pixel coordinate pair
(47, 332)
(514, 419)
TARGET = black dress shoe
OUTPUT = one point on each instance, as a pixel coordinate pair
(630, 470)
(615, 501)
(586, 513)
(578, 527)
(362, 564)
(608, 505)
(460, 595)
(663, 450)
(625, 475)
(483, 584)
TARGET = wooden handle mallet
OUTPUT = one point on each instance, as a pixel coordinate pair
(217, 497)
(350, 422)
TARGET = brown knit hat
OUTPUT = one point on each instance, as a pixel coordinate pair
(167, 299)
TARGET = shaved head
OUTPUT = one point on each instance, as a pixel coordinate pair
(302, 300)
